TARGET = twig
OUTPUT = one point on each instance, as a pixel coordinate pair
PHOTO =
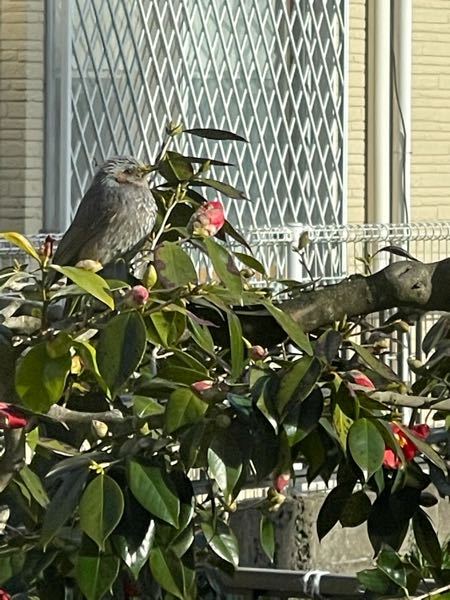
(439, 591)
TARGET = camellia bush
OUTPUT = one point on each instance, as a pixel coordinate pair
(134, 409)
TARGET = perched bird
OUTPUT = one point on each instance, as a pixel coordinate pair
(115, 216)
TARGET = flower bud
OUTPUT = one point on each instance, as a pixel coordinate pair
(4, 595)
(89, 265)
(174, 129)
(46, 249)
(207, 220)
(150, 277)
(360, 379)
(257, 353)
(281, 481)
(11, 417)
(137, 296)
(202, 386)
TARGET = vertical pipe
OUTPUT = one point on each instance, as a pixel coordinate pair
(378, 112)
(65, 125)
(401, 110)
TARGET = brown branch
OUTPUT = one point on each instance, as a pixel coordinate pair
(396, 399)
(66, 415)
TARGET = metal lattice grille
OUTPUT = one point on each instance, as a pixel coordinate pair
(271, 70)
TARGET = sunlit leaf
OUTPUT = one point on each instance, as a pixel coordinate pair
(174, 265)
(293, 329)
(20, 241)
(224, 266)
(183, 408)
(366, 446)
(236, 345)
(222, 541)
(88, 281)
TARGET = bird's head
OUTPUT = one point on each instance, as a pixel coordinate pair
(124, 169)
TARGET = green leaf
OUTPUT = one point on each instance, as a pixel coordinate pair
(88, 355)
(228, 229)
(34, 485)
(222, 541)
(224, 266)
(374, 580)
(224, 188)
(373, 362)
(236, 345)
(267, 536)
(174, 266)
(355, 510)
(167, 569)
(215, 134)
(426, 538)
(251, 262)
(164, 328)
(201, 335)
(390, 563)
(121, 348)
(331, 509)
(176, 167)
(424, 448)
(224, 462)
(62, 504)
(136, 558)
(20, 241)
(298, 382)
(366, 446)
(183, 408)
(293, 329)
(41, 378)
(143, 406)
(95, 572)
(151, 489)
(101, 508)
(88, 281)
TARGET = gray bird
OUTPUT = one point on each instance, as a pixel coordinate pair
(115, 216)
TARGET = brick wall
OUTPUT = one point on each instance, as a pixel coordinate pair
(356, 112)
(430, 163)
(21, 114)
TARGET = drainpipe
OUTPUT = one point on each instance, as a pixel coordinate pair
(401, 110)
(378, 111)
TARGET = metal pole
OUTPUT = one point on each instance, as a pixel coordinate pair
(64, 199)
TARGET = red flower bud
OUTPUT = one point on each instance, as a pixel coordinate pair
(4, 595)
(281, 481)
(409, 449)
(137, 296)
(207, 220)
(11, 417)
(257, 353)
(360, 379)
(202, 386)
(47, 252)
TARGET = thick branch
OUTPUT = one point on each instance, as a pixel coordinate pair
(396, 399)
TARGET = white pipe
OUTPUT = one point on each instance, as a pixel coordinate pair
(401, 110)
(378, 112)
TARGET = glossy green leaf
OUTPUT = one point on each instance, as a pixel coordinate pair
(167, 569)
(41, 379)
(298, 382)
(135, 558)
(88, 355)
(183, 408)
(63, 504)
(224, 188)
(88, 281)
(228, 229)
(426, 538)
(224, 266)
(215, 134)
(236, 345)
(143, 406)
(374, 580)
(165, 328)
(174, 266)
(356, 510)
(251, 262)
(222, 541)
(390, 563)
(224, 462)
(366, 446)
(267, 536)
(121, 348)
(34, 485)
(20, 241)
(293, 329)
(101, 508)
(151, 489)
(176, 167)
(95, 572)
(331, 509)
(201, 335)
(373, 362)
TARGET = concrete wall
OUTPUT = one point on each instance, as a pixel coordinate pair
(21, 114)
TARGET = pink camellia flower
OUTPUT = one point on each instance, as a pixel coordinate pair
(410, 450)
(281, 481)
(4, 595)
(257, 353)
(137, 296)
(11, 417)
(202, 386)
(207, 220)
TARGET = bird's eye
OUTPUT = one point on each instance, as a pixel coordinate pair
(128, 171)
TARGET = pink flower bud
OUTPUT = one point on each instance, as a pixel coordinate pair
(4, 595)
(207, 220)
(360, 379)
(281, 481)
(11, 418)
(257, 353)
(137, 296)
(202, 386)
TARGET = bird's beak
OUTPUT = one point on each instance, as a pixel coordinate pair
(146, 169)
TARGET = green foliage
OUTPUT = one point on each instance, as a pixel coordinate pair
(128, 403)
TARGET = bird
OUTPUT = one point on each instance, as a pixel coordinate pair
(115, 216)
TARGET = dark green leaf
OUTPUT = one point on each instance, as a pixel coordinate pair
(175, 167)
(120, 348)
(41, 379)
(224, 462)
(267, 537)
(390, 563)
(166, 327)
(167, 569)
(366, 446)
(373, 362)
(201, 335)
(101, 508)
(201, 160)
(426, 539)
(183, 408)
(143, 406)
(355, 510)
(224, 188)
(222, 541)
(331, 509)
(251, 262)
(224, 266)
(63, 504)
(374, 580)
(174, 266)
(228, 229)
(327, 346)
(293, 329)
(151, 488)
(34, 485)
(135, 558)
(215, 134)
(298, 382)
(236, 345)
(95, 572)
(88, 281)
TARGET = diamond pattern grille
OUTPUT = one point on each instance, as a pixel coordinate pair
(271, 70)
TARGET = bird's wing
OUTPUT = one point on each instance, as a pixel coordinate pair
(91, 219)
